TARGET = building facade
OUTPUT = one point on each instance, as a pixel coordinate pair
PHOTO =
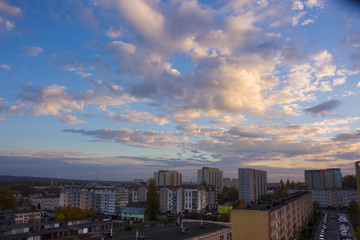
(283, 219)
(168, 178)
(323, 179)
(212, 176)
(252, 184)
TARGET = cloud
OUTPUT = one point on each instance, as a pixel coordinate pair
(323, 108)
(307, 21)
(5, 66)
(32, 51)
(347, 136)
(148, 139)
(114, 32)
(51, 100)
(9, 10)
(339, 81)
(139, 117)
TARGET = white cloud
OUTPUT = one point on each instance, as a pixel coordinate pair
(339, 81)
(139, 117)
(314, 3)
(323, 66)
(307, 21)
(32, 51)
(298, 5)
(5, 66)
(114, 32)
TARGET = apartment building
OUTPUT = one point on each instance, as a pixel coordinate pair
(195, 199)
(252, 184)
(212, 176)
(323, 178)
(171, 200)
(46, 202)
(137, 194)
(280, 219)
(104, 201)
(168, 178)
(334, 198)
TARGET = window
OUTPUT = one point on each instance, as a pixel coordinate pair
(221, 237)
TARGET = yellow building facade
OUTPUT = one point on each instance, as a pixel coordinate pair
(281, 219)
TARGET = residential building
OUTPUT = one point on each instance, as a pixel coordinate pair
(171, 200)
(334, 198)
(168, 178)
(122, 198)
(211, 176)
(195, 199)
(135, 214)
(323, 178)
(357, 170)
(138, 182)
(23, 217)
(252, 184)
(137, 194)
(102, 200)
(282, 219)
(46, 202)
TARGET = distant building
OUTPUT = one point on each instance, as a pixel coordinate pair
(283, 219)
(323, 179)
(137, 194)
(24, 217)
(103, 200)
(212, 176)
(168, 178)
(135, 214)
(252, 184)
(138, 182)
(46, 202)
(334, 198)
(357, 169)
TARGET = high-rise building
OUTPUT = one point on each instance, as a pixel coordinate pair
(212, 176)
(168, 178)
(357, 169)
(252, 184)
(323, 178)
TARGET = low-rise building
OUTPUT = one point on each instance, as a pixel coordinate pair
(135, 214)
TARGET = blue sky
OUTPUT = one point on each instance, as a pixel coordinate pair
(125, 88)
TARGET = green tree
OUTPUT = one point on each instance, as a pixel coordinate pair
(287, 183)
(292, 185)
(153, 200)
(7, 200)
(203, 183)
(299, 186)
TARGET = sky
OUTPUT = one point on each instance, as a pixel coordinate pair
(124, 88)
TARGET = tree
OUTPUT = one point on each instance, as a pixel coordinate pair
(153, 200)
(7, 200)
(292, 185)
(203, 183)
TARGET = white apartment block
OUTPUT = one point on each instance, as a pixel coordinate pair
(195, 199)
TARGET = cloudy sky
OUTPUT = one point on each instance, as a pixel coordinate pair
(125, 88)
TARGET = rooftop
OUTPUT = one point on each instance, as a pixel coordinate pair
(172, 232)
(276, 203)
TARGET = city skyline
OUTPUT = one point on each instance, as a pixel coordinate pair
(126, 88)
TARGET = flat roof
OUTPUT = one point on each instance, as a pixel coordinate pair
(276, 204)
(172, 231)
